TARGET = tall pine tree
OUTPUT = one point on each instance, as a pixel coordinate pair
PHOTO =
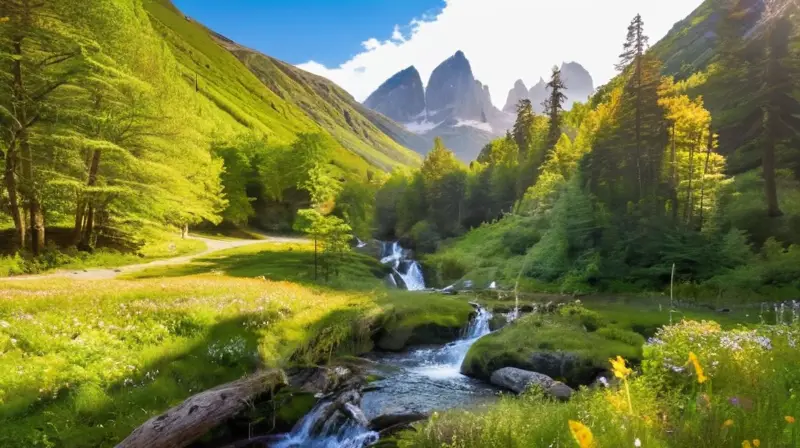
(554, 106)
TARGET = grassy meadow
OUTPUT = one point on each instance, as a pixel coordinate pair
(88, 361)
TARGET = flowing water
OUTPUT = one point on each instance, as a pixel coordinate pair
(424, 380)
(407, 269)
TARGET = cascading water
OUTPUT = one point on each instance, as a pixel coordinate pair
(407, 269)
(348, 434)
(430, 379)
(421, 381)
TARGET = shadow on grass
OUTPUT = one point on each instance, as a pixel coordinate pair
(90, 414)
(198, 358)
(279, 262)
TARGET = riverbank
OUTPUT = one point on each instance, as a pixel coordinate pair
(94, 359)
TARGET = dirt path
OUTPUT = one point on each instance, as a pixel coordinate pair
(212, 246)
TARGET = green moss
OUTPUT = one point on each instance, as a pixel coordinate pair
(418, 319)
(554, 345)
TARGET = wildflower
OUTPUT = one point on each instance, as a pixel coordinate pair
(637, 443)
(746, 444)
(756, 443)
(619, 368)
(582, 434)
(789, 419)
(728, 423)
(698, 369)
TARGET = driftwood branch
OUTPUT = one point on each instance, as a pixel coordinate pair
(181, 425)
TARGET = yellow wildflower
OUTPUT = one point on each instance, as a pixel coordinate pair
(4, 19)
(746, 444)
(789, 419)
(582, 434)
(728, 423)
(698, 369)
(756, 443)
(620, 370)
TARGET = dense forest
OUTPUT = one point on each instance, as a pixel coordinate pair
(699, 171)
(121, 116)
(624, 272)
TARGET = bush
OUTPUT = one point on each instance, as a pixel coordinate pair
(591, 320)
(12, 265)
(424, 236)
(519, 239)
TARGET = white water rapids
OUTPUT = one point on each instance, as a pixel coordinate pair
(422, 380)
(407, 269)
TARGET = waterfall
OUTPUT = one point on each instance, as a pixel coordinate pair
(331, 424)
(445, 362)
(318, 429)
(407, 269)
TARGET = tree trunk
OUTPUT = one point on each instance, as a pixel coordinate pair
(184, 231)
(190, 420)
(10, 181)
(80, 211)
(705, 172)
(86, 238)
(770, 184)
(35, 212)
(690, 193)
(674, 176)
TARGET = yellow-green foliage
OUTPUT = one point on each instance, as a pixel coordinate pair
(242, 86)
(88, 361)
(746, 394)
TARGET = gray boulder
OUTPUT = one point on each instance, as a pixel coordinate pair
(518, 380)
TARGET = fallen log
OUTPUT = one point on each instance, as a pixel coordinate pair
(198, 414)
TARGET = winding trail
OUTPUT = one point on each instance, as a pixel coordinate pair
(212, 245)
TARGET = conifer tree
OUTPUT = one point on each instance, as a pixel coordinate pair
(522, 130)
(780, 107)
(554, 107)
(631, 60)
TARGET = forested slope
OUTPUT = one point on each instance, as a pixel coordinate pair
(266, 94)
(122, 115)
(685, 167)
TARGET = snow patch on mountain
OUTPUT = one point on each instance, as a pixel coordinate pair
(475, 124)
(421, 127)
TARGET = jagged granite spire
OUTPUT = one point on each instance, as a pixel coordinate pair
(519, 92)
(401, 97)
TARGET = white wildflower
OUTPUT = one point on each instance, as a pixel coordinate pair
(637, 443)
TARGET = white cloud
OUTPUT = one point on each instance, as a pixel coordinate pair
(397, 35)
(505, 40)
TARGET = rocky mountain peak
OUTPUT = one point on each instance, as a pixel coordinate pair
(517, 93)
(578, 81)
(401, 97)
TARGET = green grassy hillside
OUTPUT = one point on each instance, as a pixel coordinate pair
(274, 98)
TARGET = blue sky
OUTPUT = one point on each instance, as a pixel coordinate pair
(327, 31)
(359, 44)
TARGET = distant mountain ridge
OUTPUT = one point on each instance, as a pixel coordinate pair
(454, 106)
(580, 86)
(458, 108)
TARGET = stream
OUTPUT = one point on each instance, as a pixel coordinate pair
(406, 272)
(422, 381)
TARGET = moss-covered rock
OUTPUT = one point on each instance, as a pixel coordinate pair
(558, 346)
(420, 319)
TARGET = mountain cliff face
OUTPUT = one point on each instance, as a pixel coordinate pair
(453, 91)
(517, 93)
(578, 81)
(537, 95)
(455, 106)
(401, 97)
